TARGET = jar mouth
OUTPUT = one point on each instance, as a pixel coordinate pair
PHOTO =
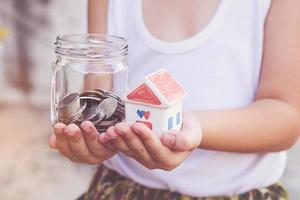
(91, 46)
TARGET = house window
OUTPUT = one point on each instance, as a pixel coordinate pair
(178, 120)
(170, 123)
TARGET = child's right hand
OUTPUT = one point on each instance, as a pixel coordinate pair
(80, 145)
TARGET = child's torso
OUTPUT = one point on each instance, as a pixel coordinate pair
(218, 64)
(172, 21)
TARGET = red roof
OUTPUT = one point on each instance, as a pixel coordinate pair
(143, 94)
(158, 89)
(167, 85)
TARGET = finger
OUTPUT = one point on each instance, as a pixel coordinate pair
(104, 138)
(52, 141)
(175, 140)
(62, 143)
(153, 145)
(91, 135)
(106, 141)
(187, 139)
(118, 142)
(134, 143)
(178, 140)
(78, 145)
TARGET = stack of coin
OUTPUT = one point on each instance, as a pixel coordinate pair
(103, 108)
(70, 108)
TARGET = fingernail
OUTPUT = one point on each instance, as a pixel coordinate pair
(137, 130)
(169, 139)
(102, 138)
(87, 129)
(74, 135)
(120, 132)
(59, 132)
(113, 135)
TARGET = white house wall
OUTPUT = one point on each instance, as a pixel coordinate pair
(158, 116)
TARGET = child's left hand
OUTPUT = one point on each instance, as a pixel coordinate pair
(143, 145)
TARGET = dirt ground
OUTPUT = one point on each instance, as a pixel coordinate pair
(30, 170)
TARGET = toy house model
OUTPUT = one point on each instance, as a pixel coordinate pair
(156, 102)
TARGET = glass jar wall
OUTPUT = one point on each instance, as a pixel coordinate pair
(89, 76)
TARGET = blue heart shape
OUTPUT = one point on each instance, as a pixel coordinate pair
(140, 113)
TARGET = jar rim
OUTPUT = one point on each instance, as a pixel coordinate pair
(91, 46)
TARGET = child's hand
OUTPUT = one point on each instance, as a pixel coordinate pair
(80, 146)
(140, 143)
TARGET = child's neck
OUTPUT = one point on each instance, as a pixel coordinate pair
(175, 20)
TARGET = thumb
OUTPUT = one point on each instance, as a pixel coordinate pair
(177, 141)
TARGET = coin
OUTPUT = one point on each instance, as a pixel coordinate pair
(103, 108)
(120, 115)
(89, 113)
(112, 95)
(99, 117)
(109, 106)
(65, 116)
(68, 100)
(91, 109)
(92, 93)
(100, 91)
(70, 108)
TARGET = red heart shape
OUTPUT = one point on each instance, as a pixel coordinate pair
(147, 114)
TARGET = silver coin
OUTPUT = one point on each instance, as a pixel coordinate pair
(120, 108)
(112, 95)
(120, 116)
(70, 113)
(89, 113)
(92, 93)
(103, 108)
(68, 100)
(99, 117)
(68, 106)
(109, 106)
(101, 91)
(91, 108)
(96, 100)
(67, 118)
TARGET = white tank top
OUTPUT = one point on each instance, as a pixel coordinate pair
(219, 68)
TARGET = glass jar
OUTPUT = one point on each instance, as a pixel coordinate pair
(88, 78)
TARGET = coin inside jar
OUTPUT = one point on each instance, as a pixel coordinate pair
(92, 93)
(68, 100)
(99, 117)
(104, 109)
(70, 116)
(112, 95)
(69, 108)
(91, 109)
(101, 91)
(109, 106)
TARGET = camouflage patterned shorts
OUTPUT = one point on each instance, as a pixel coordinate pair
(109, 185)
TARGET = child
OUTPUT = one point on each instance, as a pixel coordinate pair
(238, 61)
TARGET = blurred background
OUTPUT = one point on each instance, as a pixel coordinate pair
(28, 168)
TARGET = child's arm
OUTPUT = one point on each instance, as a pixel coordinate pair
(97, 15)
(272, 122)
